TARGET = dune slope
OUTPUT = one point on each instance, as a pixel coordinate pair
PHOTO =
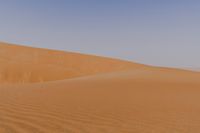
(135, 99)
(21, 64)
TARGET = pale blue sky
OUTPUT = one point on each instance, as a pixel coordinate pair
(155, 32)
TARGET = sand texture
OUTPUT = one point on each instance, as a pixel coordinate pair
(47, 91)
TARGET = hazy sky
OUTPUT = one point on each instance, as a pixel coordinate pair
(156, 32)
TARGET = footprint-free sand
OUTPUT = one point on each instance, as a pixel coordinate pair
(49, 91)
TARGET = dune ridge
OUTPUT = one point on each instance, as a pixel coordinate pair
(20, 64)
(75, 93)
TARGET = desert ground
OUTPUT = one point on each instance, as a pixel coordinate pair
(49, 91)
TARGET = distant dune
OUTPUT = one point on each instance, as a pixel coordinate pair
(47, 91)
(21, 64)
(193, 69)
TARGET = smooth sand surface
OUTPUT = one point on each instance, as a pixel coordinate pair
(21, 64)
(46, 91)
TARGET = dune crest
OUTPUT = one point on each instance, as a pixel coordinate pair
(20, 64)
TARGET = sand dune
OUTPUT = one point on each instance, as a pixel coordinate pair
(90, 94)
(21, 64)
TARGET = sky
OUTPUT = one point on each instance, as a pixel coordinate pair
(154, 32)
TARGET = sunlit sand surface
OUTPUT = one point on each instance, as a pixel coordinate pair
(47, 91)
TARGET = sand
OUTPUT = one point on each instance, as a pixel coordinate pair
(47, 91)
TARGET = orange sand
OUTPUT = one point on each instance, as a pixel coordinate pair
(46, 91)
